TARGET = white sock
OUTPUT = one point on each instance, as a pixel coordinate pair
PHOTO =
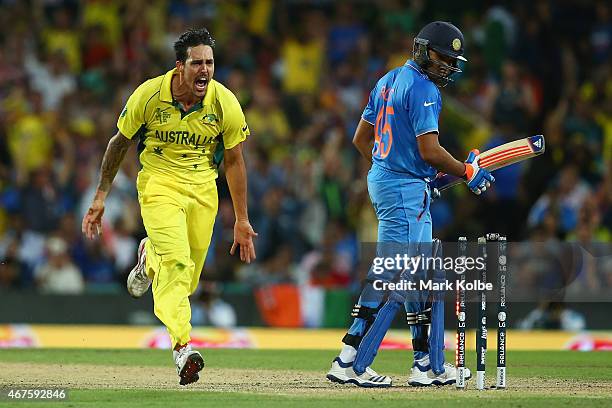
(423, 362)
(347, 354)
(175, 353)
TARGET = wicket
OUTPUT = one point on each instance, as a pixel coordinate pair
(481, 330)
(501, 314)
(460, 311)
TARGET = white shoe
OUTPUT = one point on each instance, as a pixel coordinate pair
(188, 364)
(424, 376)
(138, 281)
(343, 373)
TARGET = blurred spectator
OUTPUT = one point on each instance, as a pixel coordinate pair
(606, 267)
(333, 263)
(265, 115)
(29, 140)
(30, 246)
(331, 189)
(10, 69)
(350, 92)
(276, 224)
(105, 15)
(96, 263)
(302, 57)
(52, 79)
(41, 201)
(513, 103)
(62, 36)
(96, 51)
(277, 268)
(400, 52)
(208, 309)
(498, 36)
(11, 268)
(344, 34)
(58, 275)
(601, 33)
(396, 16)
(123, 245)
(584, 136)
(566, 198)
(553, 316)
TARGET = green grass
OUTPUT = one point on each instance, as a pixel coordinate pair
(168, 399)
(547, 364)
(523, 366)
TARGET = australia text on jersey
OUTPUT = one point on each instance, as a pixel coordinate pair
(183, 137)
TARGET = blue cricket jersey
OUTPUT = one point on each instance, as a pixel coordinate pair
(403, 105)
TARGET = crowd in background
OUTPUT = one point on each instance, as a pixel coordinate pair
(302, 71)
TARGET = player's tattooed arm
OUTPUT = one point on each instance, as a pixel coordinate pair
(115, 152)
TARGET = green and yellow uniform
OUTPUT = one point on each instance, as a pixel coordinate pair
(180, 153)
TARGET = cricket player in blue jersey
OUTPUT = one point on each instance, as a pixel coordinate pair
(398, 134)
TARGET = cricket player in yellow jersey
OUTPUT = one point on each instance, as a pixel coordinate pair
(185, 124)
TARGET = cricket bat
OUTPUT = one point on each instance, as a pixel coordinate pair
(495, 158)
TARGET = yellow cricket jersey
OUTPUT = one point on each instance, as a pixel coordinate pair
(186, 146)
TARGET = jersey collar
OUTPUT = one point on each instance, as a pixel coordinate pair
(414, 66)
(165, 92)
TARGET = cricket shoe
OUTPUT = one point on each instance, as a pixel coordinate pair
(138, 281)
(188, 364)
(424, 376)
(343, 373)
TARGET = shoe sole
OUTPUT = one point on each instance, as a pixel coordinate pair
(337, 380)
(141, 259)
(435, 382)
(189, 373)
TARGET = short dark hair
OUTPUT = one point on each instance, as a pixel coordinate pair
(192, 38)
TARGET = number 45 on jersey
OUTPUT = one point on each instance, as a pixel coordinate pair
(383, 135)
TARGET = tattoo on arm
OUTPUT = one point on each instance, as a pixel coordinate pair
(115, 152)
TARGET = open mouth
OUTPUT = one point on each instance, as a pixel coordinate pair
(200, 84)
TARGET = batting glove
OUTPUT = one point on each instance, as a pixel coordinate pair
(476, 178)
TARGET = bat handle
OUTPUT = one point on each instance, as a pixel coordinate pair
(435, 194)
